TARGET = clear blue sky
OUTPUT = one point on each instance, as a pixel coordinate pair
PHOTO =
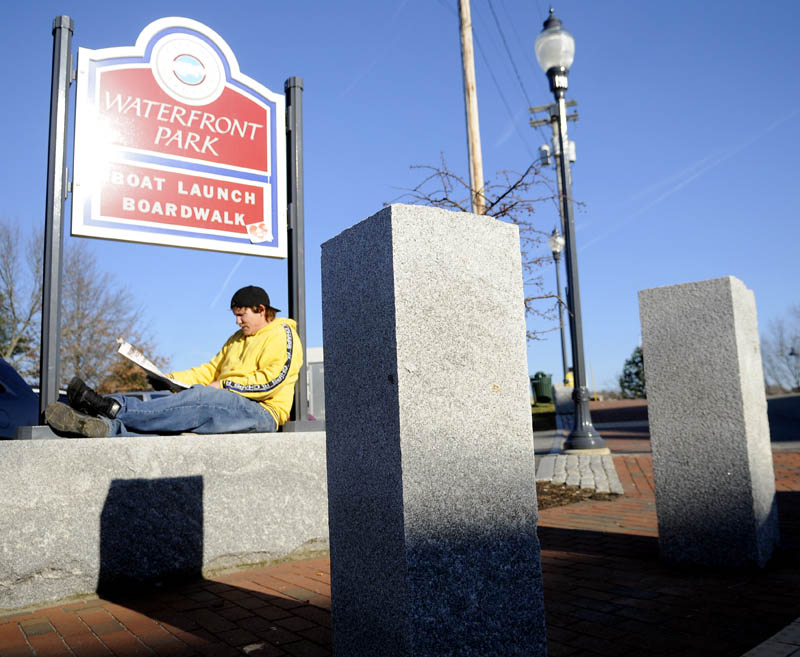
(687, 142)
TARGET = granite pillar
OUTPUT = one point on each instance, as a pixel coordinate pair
(712, 462)
(431, 475)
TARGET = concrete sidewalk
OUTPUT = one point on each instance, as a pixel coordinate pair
(606, 593)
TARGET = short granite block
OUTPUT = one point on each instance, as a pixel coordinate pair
(546, 468)
(585, 470)
(712, 462)
(614, 484)
(431, 470)
(560, 469)
(573, 470)
(600, 476)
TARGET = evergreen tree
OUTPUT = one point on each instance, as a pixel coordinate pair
(631, 381)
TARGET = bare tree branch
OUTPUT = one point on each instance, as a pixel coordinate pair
(20, 291)
(95, 311)
(780, 351)
(512, 197)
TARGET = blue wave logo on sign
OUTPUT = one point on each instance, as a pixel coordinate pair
(189, 70)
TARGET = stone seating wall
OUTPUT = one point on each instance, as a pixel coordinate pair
(80, 515)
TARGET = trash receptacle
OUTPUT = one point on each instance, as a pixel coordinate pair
(543, 387)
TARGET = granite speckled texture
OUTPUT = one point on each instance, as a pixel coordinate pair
(714, 481)
(80, 514)
(431, 475)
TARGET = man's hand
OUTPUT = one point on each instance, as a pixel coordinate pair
(215, 384)
(156, 383)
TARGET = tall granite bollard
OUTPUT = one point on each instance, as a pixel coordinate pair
(712, 462)
(431, 482)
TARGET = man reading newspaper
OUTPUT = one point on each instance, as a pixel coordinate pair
(247, 387)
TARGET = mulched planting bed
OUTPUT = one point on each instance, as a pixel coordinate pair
(550, 494)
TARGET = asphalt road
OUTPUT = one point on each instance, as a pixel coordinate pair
(783, 415)
(784, 418)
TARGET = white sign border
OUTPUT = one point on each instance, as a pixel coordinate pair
(81, 194)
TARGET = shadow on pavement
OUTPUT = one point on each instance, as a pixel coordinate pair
(153, 526)
(610, 594)
(586, 542)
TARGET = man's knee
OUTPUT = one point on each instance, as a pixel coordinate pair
(193, 394)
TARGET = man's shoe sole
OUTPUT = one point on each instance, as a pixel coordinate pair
(66, 419)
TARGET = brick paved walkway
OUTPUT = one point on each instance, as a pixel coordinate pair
(606, 593)
(281, 610)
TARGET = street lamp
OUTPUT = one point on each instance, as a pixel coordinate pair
(556, 243)
(555, 50)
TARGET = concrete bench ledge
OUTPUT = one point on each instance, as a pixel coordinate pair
(80, 514)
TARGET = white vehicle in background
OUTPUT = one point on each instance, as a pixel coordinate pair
(315, 381)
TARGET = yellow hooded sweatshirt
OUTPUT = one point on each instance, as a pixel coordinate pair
(262, 367)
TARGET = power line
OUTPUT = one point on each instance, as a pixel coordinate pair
(511, 59)
(508, 52)
(529, 58)
(448, 7)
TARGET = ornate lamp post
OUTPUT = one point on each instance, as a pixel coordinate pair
(556, 243)
(555, 50)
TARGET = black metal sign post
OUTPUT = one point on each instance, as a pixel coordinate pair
(57, 193)
(296, 264)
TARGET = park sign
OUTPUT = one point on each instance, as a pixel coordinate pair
(175, 146)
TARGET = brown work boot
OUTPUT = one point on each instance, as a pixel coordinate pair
(67, 420)
(82, 398)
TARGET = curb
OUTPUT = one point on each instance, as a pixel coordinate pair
(783, 644)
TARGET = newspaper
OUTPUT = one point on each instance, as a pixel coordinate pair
(133, 354)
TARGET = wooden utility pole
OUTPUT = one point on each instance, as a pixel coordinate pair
(471, 104)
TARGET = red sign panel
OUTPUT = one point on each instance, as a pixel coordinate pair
(231, 130)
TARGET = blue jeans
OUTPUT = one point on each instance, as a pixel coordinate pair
(199, 409)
